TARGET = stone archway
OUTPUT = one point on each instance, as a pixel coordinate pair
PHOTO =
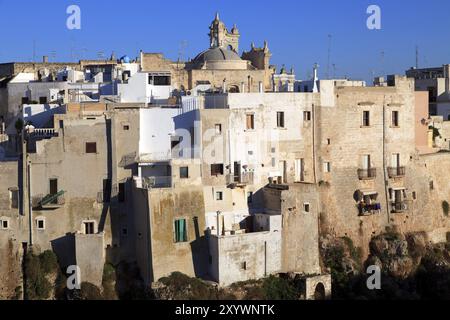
(319, 293)
(233, 89)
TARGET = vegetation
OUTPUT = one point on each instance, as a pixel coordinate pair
(436, 132)
(279, 289)
(108, 282)
(37, 271)
(411, 268)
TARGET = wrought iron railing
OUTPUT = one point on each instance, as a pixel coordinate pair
(367, 174)
(395, 172)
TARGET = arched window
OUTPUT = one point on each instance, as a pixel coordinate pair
(319, 293)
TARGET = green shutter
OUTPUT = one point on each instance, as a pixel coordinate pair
(180, 231)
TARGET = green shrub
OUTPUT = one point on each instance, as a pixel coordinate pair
(37, 268)
(445, 208)
(49, 262)
(279, 289)
(90, 292)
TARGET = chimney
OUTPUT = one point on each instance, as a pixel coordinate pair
(45, 59)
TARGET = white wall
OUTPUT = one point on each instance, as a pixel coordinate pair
(261, 251)
(156, 126)
(41, 114)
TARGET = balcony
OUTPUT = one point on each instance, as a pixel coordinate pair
(244, 179)
(44, 133)
(369, 209)
(396, 172)
(153, 182)
(367, 174)
(49, 201)
(399, 207)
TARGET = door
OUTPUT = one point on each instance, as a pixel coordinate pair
(366, 162)
(237, 172)
(282, 168)
(395, 160)
(54, 189)
(298, 170)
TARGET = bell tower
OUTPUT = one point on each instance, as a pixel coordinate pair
(220, 37)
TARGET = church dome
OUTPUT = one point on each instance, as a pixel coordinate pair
(217, 54)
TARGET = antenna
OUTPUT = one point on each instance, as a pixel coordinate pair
(101, 55)
(417, 57)
(53, 55)
(329, 55)
(382, 53)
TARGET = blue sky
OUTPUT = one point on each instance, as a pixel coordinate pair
(297, 31)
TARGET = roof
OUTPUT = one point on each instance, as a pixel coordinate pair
(217, 54)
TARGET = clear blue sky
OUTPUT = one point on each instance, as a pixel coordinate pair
(297, 31)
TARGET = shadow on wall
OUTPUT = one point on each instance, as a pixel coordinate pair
(64, 248)
(200, 252)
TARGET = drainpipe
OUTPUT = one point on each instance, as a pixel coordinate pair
(30, 204)
(314, 142)
(386, 191)
(218, 224)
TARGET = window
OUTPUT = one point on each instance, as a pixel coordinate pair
(327, 167)
(250, 121)
(180, 231)
(218, 129)
(431, 185)
(126, 127)
(53, 187)
(4, 224)
(89, 227)
(395, 122)
(244, 265)
(121, 192)
(158, 80)
(14, 198)
(414, 195)
(25, 100)
(280, 119)
(306, 207)
(249, 197)
(124, 232)
(91, 147)
(328, 141)
(40, 224)
(366, 119)
(219, 196)
(61, 124)
(307, 116)
(216, 169)
(42, 100)
(184, 172)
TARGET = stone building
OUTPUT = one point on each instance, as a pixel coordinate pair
(220, 67)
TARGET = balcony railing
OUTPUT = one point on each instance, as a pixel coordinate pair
(367, 174)
(50, 200)
(369, 209)
(44, 133)
(399, 207)
(153, 182)
(395, 172)
(246, 178)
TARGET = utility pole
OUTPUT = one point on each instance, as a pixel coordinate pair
(329, 56)
(417, 57)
